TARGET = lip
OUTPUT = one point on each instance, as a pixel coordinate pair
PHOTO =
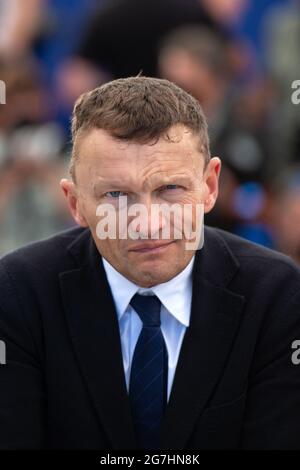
(150, 247)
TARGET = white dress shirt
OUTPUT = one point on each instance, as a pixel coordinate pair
(175, 296)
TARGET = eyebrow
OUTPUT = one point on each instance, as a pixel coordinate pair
(175, 179)
(104, 186)
(119, 185)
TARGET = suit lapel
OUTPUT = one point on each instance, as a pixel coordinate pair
(215, 318)
(94, 330)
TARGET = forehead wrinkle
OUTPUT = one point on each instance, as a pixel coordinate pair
(143, 158)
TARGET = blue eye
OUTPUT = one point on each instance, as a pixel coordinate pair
(171, 186)
(115, 194)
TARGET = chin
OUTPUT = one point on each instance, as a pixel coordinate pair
(152, 278)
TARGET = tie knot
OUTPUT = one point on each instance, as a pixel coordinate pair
(148, 308)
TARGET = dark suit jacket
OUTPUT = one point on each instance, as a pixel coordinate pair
(63, 384)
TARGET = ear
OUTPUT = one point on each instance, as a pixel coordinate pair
(211, 179)
(70, 192)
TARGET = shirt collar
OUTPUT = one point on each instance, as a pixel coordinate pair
(175, 294)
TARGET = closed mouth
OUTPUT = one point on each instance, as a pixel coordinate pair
(150, 247)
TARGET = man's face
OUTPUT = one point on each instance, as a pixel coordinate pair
(170, 171)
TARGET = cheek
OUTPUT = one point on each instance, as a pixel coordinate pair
(191, 204)
(86, 207)
(193, 198)
(111, 249)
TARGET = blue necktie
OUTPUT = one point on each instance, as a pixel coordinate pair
(148, 377)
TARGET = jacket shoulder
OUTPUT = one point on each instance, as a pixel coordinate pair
(44, 255)
(255, 259)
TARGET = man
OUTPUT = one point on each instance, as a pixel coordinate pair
(107, 43)
(125, 342)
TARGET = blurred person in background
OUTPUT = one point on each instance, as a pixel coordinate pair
(281, 46)
(30, 148)
(47, 32)
(64, 24)
(20, 23)
(123, 37)
(286, 212)
(198, 60)
(36, 36)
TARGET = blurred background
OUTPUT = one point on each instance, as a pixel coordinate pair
(239, 58)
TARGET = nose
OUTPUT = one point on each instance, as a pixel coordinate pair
(145, 218)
